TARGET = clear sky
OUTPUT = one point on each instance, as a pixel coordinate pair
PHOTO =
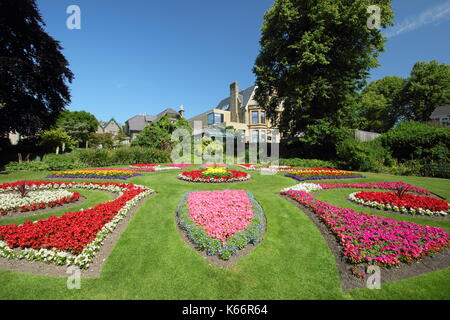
(142, 56)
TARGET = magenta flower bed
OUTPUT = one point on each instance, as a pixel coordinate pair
(222, 213)
(372, 239)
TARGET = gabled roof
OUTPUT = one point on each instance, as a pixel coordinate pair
(441, 111)
(139, 122)
(104, 124)
(244, 96)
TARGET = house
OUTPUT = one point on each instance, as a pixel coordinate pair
(112, 127)
(441, 116)
(136, 124)
(241, 112)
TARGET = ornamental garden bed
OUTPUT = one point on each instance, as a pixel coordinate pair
(322, 174)
(402, 203)
(74, 238)
(15, 203)
(224, 225)
(94, 174)
(358, 240)
(257, 167)
(214, 175)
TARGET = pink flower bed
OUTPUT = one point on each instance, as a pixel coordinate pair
(222, 213)
(373, 239)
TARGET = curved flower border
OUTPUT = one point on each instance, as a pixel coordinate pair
(404, 210)
(64, 198)
(368, 238)
(355, 176)
(87, 255)
(251, 235)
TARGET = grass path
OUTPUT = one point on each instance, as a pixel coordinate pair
(151, 261)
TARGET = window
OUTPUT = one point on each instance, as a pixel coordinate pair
(263, 117)
(215, 118)
(255, 136)
(263, 136)
(255, 117)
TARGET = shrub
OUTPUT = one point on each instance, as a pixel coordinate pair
(363, 156)
(27, 166)
(418, 141)
(59, 162)
(307, 163)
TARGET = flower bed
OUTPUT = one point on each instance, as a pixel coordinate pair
(372, 239)
(365, 185)
(94, 174)
(321, 174)
(35, 200)
(214, 175)
(221, 222)
(256, 167)
(209, 165)
(144, 165)
(406, 203)
(75, 237)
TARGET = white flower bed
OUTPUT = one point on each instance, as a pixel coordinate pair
(83, 259)
(404, 210)
(166, 168)
(9, 201)
(307, 187)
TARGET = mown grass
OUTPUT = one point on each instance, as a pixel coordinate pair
(151, 261)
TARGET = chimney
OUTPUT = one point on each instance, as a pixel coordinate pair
(181, 112)
(234, 102)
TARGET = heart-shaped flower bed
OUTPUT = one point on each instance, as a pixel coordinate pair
(75, 237)
(221, 222)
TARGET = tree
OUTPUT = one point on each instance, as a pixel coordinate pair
(33, 72)
(78, 124)
(379, 105)
(159, 135)
(314, 55)
(78, 116)
(57, 138)
(104, 139)
(427, 87)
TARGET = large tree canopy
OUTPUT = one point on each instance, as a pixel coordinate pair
(78, 124)
(33, 72)
(427, 87)
(380, 104)
(314, 55)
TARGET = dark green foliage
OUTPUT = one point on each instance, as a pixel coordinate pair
(427, 87)
(363, 156)
(50, 162)
(33, 72)
(122, 156)
(314, 56)
(307, 163)
(379, 105)
(418, 141)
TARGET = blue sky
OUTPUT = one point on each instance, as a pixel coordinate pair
(141, 56)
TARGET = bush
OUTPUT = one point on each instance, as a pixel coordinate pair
(27, 166)
(418, 141)
(56, 162)
(363, 156)
(307, 163)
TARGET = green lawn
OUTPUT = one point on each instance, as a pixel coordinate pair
(151, 261)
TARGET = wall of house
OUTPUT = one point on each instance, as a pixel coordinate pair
(112, 128)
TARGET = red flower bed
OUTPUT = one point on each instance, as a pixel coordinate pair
(72, 231)
(407, 200)
(197, 175)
